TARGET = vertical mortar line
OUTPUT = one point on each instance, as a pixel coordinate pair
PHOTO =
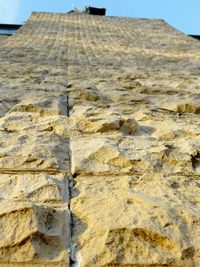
(71, 58)
(72, 257)
(70, 188)
(70, 176)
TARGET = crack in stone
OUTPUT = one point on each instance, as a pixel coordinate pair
(73, 261)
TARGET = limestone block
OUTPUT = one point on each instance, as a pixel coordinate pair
(33, 233)
(45, 107)
(183, 106)
(138, 154)
(79, 94)
(120, 95)
(148, 220)
(171, 130)
(89, 119)
(22, 121)
(37, 188)
(33, 150)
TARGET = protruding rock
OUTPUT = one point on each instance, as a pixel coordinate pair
(91, 120)
(33, 234)
(183, 106)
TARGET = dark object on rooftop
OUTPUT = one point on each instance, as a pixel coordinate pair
(89, 10)
(8, 29)
(195, 36)
(96, 11)
(71, 11)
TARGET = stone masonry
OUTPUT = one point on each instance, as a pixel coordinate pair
(99, 144)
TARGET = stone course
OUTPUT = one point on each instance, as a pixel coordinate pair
(99, 144)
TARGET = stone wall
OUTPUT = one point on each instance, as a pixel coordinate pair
(100, 145)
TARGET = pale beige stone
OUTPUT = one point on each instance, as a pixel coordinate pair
(170, 130)
(87, 94)
(33, 233)
(184, 106)
(33, 150)
(115, 99)
(44, 107)
(37, 188)
(147, 220)
(106, 155)
(90, 120)
(22, 121)
(139, 154)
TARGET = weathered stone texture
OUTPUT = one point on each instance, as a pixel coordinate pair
(133, 94)
(148, 220)
(34, 148)
(99, 144)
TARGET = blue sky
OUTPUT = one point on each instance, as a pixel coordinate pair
(182, 14)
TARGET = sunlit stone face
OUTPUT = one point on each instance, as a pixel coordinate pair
(99, 143)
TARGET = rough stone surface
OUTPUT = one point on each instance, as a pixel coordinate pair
(99, 144)
(137, 220)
